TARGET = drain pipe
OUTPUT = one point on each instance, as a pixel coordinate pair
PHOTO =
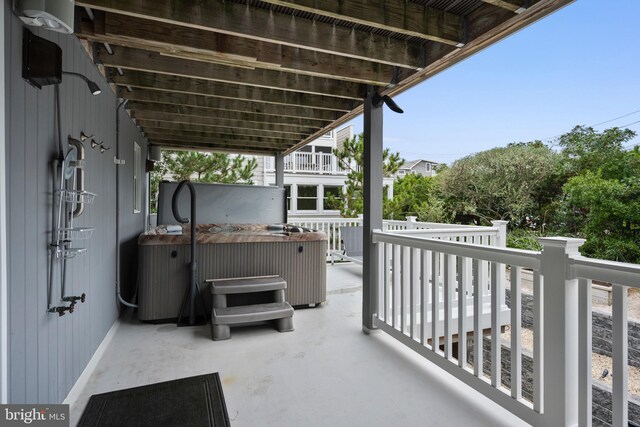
(117, 162)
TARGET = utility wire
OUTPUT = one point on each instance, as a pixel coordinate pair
(543, 139)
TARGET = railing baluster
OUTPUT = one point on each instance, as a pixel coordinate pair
(479, 279)
(584, 350)
(381, 281)
(449, 285)
(496, 363)
(389, 279)
(413, 297)
(464, 278)
(396, 284)
(538, 326)
(403, 285)
(516, 330)
(424, 295)
(620, 408)
(435, 300)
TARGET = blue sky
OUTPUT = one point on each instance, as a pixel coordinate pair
(580, 65)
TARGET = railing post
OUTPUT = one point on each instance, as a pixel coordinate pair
(411, 222)
(502, 232)
(560, 359)
(501, 242)
(360, 218)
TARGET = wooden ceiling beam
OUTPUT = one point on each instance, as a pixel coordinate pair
(515, 6)
(139, 79)
(398, 16)
(260, 24)
(225, 139)
(246, 106)
(142, 60)
(240, 143)
(179, 145)
(158, 125)
(207, 46)
(213, 120)
(224, 114)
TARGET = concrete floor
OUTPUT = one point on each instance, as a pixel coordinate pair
(325, 373)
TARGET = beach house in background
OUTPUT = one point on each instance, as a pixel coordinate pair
(311, 174)
(420, 166)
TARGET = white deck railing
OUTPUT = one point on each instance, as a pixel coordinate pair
(453, 232)
(314, 163)
(622, 276)
(429, 291)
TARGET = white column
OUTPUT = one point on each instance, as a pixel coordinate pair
(294, 198)
(560, 332)
(372, 201)
(279, 170)
(320, 193)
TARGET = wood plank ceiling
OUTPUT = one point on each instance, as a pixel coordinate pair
(270, 76)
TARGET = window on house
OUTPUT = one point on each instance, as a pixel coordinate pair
(307, 198)
(287, 190)
(334, 194)
(427, 167)
(401, 172)
(326, 150)
(137, 178)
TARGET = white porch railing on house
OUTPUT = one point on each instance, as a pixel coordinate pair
(313, 163)
(428, 288)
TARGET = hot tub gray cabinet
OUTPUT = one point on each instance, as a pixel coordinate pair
(226, 251)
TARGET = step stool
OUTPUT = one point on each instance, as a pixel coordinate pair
(222, 316)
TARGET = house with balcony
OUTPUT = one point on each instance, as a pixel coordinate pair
(312, 173)
(90, 87)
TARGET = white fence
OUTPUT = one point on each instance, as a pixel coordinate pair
(431, 291)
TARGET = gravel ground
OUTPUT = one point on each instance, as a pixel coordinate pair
(598, 361)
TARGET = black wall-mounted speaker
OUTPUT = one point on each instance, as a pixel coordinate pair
(41, 60)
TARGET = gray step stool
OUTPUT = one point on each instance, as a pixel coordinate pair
(222, 316)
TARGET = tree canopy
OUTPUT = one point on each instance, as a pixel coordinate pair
(511, 183)
(201, 167)
(351, 158)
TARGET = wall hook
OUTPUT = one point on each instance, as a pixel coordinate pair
(103, 148)
(94, 144)
(84, 136)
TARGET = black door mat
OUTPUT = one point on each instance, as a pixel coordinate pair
(193, 401)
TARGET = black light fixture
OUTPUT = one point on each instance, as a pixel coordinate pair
(42, 63)
(93, 87)
(378, 100)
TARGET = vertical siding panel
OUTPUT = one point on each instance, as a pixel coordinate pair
(54, 327)
(16, 229)
(30, 235)
(45, 139)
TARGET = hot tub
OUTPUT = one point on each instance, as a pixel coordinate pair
(228, 250)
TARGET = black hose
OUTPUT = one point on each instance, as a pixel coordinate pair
(193, 288)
